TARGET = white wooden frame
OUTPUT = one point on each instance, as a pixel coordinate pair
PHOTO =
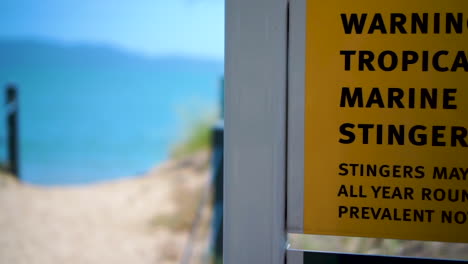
(295, 256)
(255, 132)
(296, 101)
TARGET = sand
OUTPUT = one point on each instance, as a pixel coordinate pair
(133, 220)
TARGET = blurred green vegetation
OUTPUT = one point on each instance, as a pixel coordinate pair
(197, 136)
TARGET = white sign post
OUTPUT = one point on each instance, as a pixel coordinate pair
(255, 132)
(284, 117)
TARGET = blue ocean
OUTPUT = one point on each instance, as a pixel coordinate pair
(94, 113)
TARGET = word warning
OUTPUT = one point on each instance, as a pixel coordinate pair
(386, 119)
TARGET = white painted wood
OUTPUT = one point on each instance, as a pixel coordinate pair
(296, 84)
(295, 257)
(255, 132)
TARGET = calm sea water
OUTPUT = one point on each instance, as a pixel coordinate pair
(87, 125)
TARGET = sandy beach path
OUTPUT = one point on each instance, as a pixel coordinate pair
(115, 222)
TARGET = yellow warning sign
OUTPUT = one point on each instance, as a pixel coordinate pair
(386, 119)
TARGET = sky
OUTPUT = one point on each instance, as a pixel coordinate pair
(192, 28)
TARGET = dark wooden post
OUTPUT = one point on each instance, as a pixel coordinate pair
(12, 126)
(217, 138)
(217, 223)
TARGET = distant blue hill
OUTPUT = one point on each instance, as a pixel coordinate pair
(40, 53)
(91, 113)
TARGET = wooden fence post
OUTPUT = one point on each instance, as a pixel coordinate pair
(13, 128)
